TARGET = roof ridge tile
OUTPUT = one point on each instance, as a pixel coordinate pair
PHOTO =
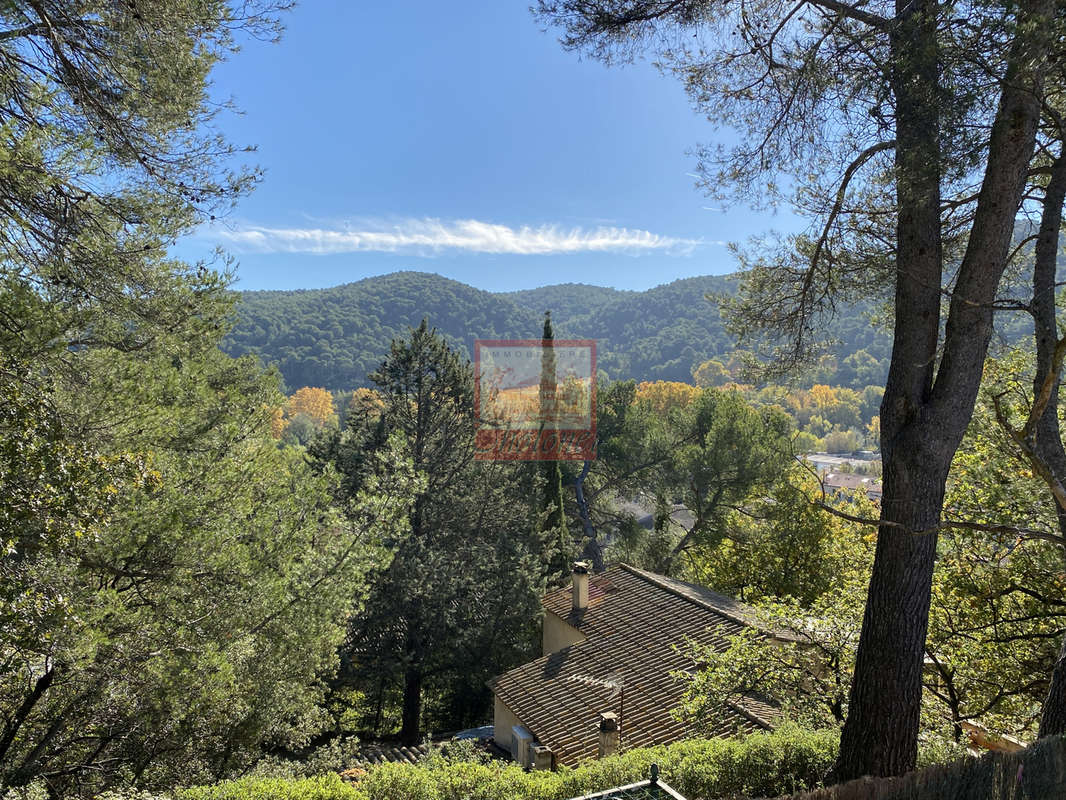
(664, 582)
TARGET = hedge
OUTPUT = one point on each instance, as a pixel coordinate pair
(759, 765)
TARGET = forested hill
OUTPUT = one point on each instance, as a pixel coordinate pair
(334, 337)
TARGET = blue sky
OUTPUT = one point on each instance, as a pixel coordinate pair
(459, 138)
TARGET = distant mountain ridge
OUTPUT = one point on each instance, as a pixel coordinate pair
(335, 337)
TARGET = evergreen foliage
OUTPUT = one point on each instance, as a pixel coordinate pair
(996, 611)
(883, 117)
(335, 337)
(456, 597)
(709, 450)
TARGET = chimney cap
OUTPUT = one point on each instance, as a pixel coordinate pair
(582, 567)
(608, 721)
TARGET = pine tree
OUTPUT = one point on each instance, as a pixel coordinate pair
(434, 624)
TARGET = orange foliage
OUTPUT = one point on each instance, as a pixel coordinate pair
(315, 403)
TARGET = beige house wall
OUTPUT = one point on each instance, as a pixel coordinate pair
(558, 633)
(503, 719)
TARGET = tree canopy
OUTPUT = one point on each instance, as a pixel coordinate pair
(455, 598)
(335, 337)
(174, 585)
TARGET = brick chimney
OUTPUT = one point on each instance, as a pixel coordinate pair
(581, 585)
(608, 731)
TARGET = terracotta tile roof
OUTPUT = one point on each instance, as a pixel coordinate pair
(377, 753)
(632, 626)
(372, 753)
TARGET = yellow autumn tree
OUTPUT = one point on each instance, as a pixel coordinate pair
(365, 403)
(314, 402)
(661, 396)
(873, 431)
(823, 396)
(278, 423)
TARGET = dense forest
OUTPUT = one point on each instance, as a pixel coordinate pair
(334, 338)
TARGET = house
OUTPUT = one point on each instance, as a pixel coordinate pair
(611, 644)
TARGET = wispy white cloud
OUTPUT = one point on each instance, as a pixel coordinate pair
(434, 236)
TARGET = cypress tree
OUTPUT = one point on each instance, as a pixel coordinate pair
(557, 540)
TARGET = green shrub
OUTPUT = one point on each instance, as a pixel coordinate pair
(333, 756)
(453, 752)
(322, 787)
(400, 782)
(760, 765)
(937, 749)
(595, 776)
(470, 781)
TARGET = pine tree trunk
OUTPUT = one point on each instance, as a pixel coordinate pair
(592, 551)
(411, 732)
(881, 732)
(1053, 718)
(926, 406)
(1048, 442)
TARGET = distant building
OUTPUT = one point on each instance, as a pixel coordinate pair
(840, 482)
